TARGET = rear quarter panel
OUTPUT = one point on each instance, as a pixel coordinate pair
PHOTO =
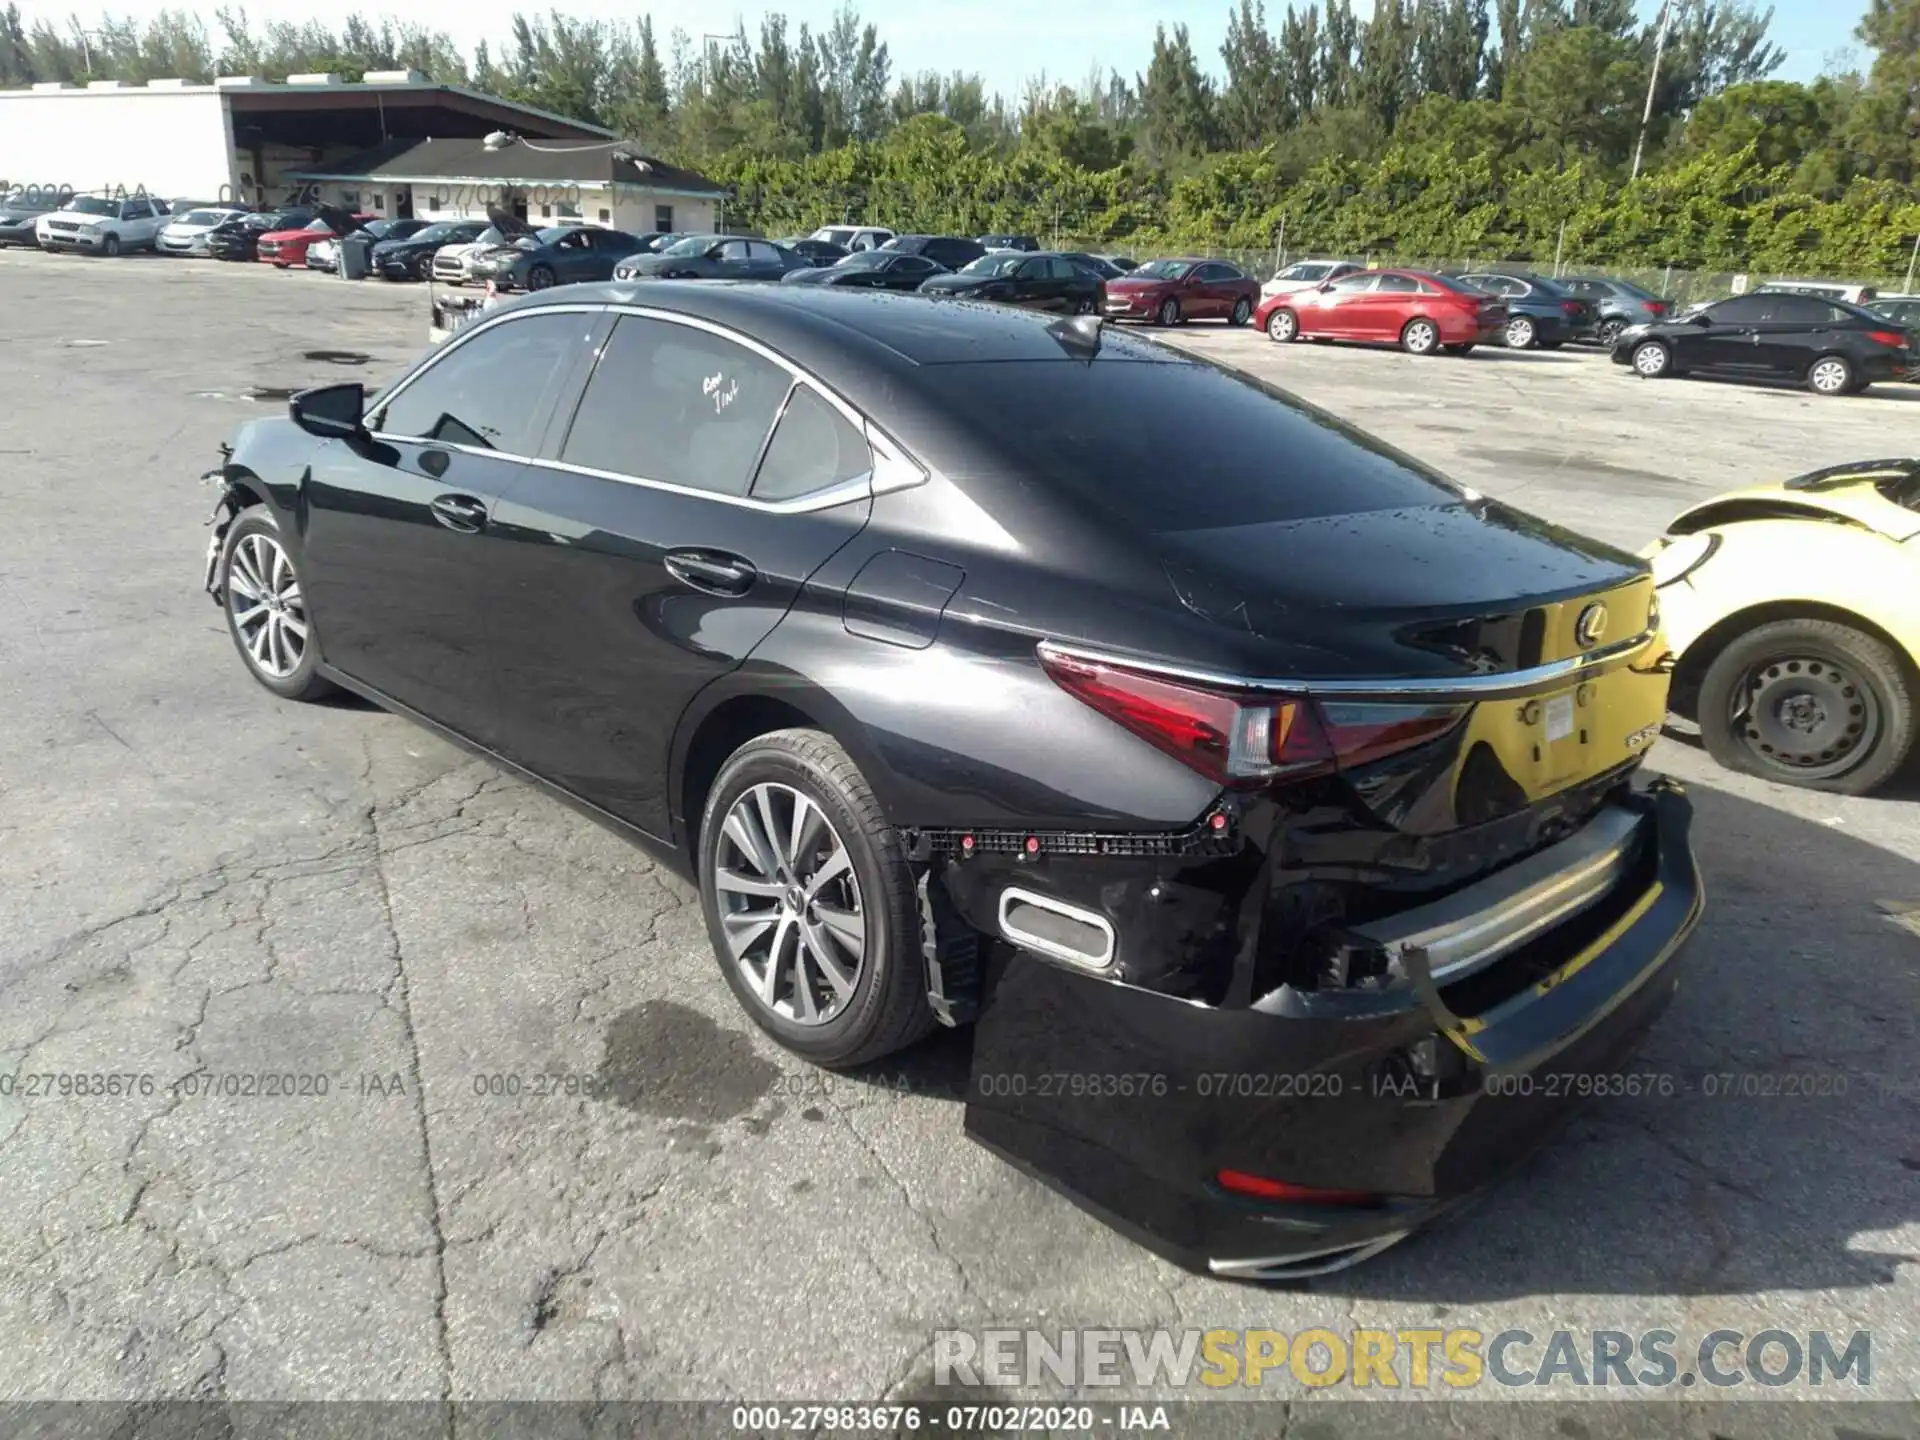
(1766, 562)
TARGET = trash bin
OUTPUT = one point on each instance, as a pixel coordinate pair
(356, 257)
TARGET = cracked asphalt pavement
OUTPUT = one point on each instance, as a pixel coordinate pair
(200, 883)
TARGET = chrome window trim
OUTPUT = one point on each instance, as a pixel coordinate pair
(892, 468)
(1514, 684)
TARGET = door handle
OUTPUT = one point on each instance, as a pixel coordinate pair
(714, 571)
(460, 512)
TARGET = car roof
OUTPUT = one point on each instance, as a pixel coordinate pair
(836, 331)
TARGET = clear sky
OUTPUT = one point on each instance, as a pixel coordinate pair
(1005, 41)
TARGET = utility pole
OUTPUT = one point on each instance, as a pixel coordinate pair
(1653, 82)
(1910, 259)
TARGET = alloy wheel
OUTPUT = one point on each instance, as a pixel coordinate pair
(1651, 360)
(1830, 376)
(1520, 333)
(790, 904)
(1282, 326)
(1170, 312)
(269, 612)
(1420, 337)
(1609, 331)
(1806, 715)
(1083, 306)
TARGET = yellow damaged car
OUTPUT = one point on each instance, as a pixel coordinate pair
(1792, 613)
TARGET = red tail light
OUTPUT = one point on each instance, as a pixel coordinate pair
(1247, 738)
(1261, 1188)
(1893, 339)
(1655, 307)
(1570, 308)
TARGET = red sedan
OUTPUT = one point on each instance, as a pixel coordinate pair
(1169, 292)
(1414, 309)
(289, 247)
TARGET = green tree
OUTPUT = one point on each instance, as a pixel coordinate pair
(1176, 100)
(1257, 102)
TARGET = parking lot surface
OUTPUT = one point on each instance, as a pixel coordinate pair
(198, 878)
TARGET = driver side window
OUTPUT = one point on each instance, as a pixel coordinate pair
(491, 392)
(1354, 284)
(733, 252)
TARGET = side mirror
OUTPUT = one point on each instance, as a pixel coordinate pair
(334, 412)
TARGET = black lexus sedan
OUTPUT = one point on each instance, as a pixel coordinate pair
(411, 258)
(1830, 346)
(1540, 312)
(1271, 829)
(881, 269)
(239, 238)
(1036, 282)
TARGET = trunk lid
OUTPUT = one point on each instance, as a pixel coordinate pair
(1540, 641)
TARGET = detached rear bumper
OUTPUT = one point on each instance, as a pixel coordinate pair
(1394, 1105)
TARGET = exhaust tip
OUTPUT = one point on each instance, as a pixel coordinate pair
(1053, 928)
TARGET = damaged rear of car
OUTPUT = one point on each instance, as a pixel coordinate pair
(1421, 900)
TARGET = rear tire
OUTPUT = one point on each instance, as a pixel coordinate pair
(885, 1009)
(1831, 375)
(1609, 331)
(1283, 327)
(1521, 333)
(1782, 689)
(1420, 336)
(1242, 311)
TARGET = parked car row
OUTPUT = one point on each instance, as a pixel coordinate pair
(1831, 345)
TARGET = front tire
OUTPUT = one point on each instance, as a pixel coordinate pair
(266, 609)
(1283, 326)
(810, 902)
(110, 246)
(1652, 360)
(1169, 314)
(1420, 336)
(1242, 312)
(540, 277)
(1811, 703)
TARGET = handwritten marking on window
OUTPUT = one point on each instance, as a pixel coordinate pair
(722, 389)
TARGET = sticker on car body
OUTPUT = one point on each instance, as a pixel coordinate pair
(1559, 718)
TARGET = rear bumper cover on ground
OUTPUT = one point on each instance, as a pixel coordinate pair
(1132, 1102)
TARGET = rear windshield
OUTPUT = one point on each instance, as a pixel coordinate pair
(1119, 435)
(1454, 284)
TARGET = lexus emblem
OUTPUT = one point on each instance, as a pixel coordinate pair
(1591, 625)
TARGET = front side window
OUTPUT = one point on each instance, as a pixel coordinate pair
(813, 447)
(1743, 310)
(490, 392)
(734, 252)
(1312, 273)
(676, 405)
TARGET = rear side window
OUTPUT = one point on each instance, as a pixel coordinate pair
(1354, 284)
(678, 405)
(1120, 438)
(490, 392)
(1399, 284)
(1806, 310)
(812, 448)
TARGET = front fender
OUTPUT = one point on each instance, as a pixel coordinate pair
(1815, 563)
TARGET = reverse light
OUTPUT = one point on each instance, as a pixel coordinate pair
(1259, 1187)
(1246, 738)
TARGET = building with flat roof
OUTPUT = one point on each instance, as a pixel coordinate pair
(243, 139)
(599, 182)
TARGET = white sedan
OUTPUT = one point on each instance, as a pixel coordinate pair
(1307, 274)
